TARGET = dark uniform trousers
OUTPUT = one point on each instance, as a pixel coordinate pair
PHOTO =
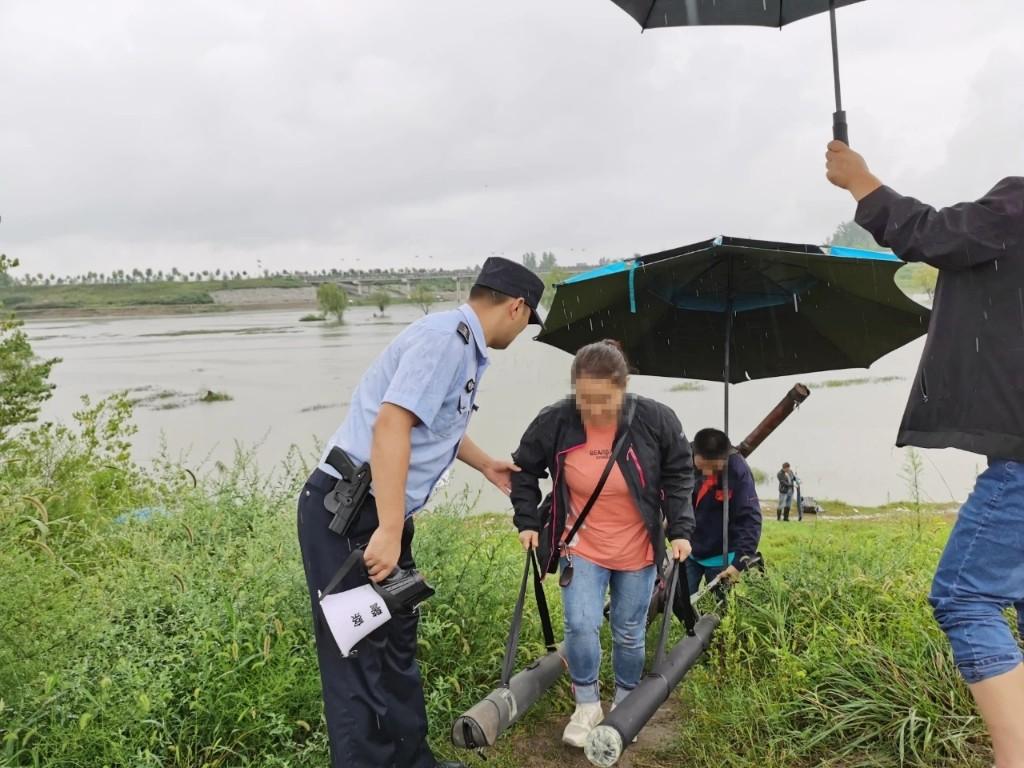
(373, 701)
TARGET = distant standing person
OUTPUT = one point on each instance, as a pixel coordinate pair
(969, 394)
(787, 482)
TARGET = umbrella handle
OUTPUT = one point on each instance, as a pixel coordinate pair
(839, 127)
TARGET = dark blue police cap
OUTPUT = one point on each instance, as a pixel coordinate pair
(515, 280)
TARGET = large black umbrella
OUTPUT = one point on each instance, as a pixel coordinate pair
(733, 310)
(651, 14)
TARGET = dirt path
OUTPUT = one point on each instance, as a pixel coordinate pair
(542, 746)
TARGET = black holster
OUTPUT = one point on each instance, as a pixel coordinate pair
(349, 493)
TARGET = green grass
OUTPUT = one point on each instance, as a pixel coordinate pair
(214, 397)
(184, 640)
(312, 318)
(40, 297)
(836, 383)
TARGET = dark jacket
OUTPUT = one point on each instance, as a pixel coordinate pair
(969, 389)
(744, 514)
(785, 481)
(656, 463)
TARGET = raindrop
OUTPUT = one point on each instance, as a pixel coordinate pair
(796, 304)
(591, 321)
(996, 261)
(977, 344)
(747, 374)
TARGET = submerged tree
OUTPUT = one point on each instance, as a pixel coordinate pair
(333, 300)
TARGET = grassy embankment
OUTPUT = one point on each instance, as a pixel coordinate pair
(41, 298)
(179, 636)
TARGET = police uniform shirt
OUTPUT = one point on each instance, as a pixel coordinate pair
(432, 369)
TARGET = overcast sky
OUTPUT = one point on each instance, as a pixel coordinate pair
(412, 132)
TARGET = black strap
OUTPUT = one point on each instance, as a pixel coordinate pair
(689, 617)
(623, 438)
(670, 598)
(542, 604)
(677, 600)
(355, 558)
(512, 645)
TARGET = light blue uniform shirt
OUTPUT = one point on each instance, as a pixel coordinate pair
(431, 371)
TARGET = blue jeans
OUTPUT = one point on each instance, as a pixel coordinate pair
(583, 601)
(981, 573)
(785, 502)
(695, 572)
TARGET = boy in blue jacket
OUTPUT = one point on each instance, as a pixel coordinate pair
(711, 451)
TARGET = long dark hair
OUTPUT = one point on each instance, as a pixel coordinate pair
(602, 360)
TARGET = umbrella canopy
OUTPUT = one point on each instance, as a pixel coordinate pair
(786, 308)
(757, 13)
(732, 310)
(652, 14)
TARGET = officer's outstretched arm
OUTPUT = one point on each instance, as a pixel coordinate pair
(389, 457)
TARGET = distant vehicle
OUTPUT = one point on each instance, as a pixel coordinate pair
(810, 507)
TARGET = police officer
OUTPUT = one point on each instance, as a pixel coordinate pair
(408, 419)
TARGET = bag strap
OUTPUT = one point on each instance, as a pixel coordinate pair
(619, 445)
(512, 644)
(677, 601)
(351, 561)
(542, 604)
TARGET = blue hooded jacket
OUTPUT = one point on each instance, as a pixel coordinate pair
(744, 514)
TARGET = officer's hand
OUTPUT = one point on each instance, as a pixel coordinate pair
(529, 539)
(500, 474)
(681, 549)
(848, 170)
(731, 574)
(381, 554)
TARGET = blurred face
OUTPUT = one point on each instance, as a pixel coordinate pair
(599, 401)
(515, 316)
(708, 467)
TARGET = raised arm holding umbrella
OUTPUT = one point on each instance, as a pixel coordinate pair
(969, 394)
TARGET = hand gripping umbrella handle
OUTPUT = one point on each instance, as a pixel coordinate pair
(839, 127)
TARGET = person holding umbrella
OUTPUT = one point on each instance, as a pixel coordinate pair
(619, 463)
(968, 394)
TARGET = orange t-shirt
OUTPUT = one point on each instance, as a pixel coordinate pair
(614, 535)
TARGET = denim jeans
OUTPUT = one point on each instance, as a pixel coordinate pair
(583, 601)
(785, 502)
(981, 573)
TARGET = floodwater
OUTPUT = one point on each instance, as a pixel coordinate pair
(290, 383)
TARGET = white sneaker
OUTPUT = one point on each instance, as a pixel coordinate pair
(582, 723)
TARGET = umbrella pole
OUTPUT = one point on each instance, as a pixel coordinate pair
(727, 377)
(839, 127)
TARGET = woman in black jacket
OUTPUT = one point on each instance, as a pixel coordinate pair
(637, 447)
